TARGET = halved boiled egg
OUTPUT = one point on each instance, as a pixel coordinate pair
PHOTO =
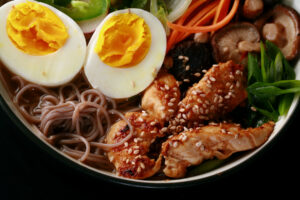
(40, 43)
(125, 53)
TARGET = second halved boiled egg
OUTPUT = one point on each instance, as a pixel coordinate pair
(125, 53)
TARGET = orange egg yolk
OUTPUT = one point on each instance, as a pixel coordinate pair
(35, 29)
(124, 40)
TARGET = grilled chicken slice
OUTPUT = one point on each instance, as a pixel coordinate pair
(221, 90)
(162, 97)
(130, 159)
(215, 140)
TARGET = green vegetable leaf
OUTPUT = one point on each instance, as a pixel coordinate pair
(159, 9)
(254, 73)
(285, 103)
(139, 4)
(278, 67)
(264, 63)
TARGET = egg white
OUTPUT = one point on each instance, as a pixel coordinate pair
(122, 83)
(52, 69)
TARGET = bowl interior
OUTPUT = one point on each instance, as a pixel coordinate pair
(8, 105)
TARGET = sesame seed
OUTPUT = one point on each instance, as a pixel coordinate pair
(167, 87)
(204, 105)
(173, 100)
(142, 133)
(140, 119)
(194, 92)
(152, 123)
(182, 120)
(164, 129)
(175, 94)
(153, 131)
(212, 79)
(227, 97)
(212, 107)
(142, 165)
(181, 110)
(139, 170)
(173, 127)
(166, 96)
(197, 74)
(201, 110)
(136, 151)
(186, 80)
(184, 137)
(170, 104)
(206, 101)
(198, 144)
(187, 67)
(253, 108)
(175, 144)
(227, 84)
(129, 151)
(204, 78)
(202, 95)
(184, 116)
(180, 57)
(237, 72)
(127, 160)
(126, 144)
(162, 88)
(204, 70)
(135, 140)
(223, 130)
(171, 110)
(237, 84)
(231, 76)
(174, 89)
(133, 163)
(199, 100)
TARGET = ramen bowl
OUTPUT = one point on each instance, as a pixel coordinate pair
(33, 134)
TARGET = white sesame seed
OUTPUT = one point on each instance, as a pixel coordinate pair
(201, 110)
(197, 74)
(142, 165)
(204, 105)
(212, 79)
(152, 123)
(237, 84)
(135, 140)
(199, 100)
(186, 80)
(227, 97)
(187, 67)
(174, 89)
(139, 170)
(173, 100)
(142, 133)
(170, 104)
(166, 96)
(198, 144)
(129, 151)
(171, 110)
(181, 110)
(127, 160)
(227, 84)
(184, 116)
(202, 95)
(184, 137)
(140, 119)
(194, 92)
(126, 144)
(204, 70)
(162, 88)
(231, 76)
(167, 87)
(223, 130)
(253, 108)
(237, 72)
(175, 144)
(136, 151)
(212, 107)
(204, 78)
(153, 131)
(173, 127)
(164, 129)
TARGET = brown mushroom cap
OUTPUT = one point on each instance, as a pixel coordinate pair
(286, 21)
(225, 42)
(253, 8)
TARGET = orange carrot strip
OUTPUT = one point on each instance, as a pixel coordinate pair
(209, 28)
(176, 36)
(208, 17)
(224, 10)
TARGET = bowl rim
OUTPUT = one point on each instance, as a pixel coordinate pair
(138, 183)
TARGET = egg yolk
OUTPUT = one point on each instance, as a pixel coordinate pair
(124, 40)
(35, 29)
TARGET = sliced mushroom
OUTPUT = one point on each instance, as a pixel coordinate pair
(231, 42)
(281, 26)
(253, 8)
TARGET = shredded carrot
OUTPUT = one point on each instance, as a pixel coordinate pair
(209, 28)
(201, 17)
(208, 17)
(191, 22)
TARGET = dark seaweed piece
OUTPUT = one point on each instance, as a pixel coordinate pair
(189, 61)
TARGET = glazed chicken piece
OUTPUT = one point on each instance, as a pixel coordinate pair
(221, 90)
(130, 159)
(161, 99)
(215, 140)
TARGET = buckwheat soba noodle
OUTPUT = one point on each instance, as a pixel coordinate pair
(72, 117)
